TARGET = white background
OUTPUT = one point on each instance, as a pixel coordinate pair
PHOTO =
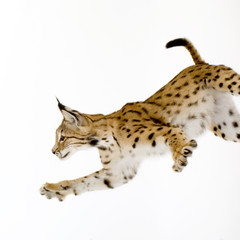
(95, 56)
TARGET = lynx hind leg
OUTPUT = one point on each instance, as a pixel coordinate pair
(223, 79)
(226, 118)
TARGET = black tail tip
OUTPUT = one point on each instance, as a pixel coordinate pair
(177, 42)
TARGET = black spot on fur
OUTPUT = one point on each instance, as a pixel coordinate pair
(102, 148)
(191, 117)
(235, 124)
(154, 143)
(208, 74)
(145, 110)
(177, 112)
(231, 112)
(150, 136)
(107, 183)
(116, 141)
(192, 104)
(64, 187)
(196, 76)
(172, 83)
(137, 112)
(136, 139)
(58, 193)
(155, 120)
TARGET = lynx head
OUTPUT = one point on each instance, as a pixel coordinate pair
(74, 133)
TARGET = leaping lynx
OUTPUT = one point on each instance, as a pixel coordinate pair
(198, 98)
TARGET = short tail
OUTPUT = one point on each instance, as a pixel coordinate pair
(188, 45)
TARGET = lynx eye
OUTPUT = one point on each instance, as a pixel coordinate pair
(62, 138)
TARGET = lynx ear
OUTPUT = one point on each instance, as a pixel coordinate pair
(73, 117)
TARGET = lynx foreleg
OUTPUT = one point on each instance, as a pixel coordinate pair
(100, 180)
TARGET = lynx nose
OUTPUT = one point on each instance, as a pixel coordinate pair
(54, 150)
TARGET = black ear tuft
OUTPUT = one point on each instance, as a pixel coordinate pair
(61, 106)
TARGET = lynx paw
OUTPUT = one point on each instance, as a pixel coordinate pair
(58, 190)
(180, 158)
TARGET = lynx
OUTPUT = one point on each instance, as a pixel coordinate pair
(198, 98)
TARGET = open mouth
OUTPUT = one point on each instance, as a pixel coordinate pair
(65, 155)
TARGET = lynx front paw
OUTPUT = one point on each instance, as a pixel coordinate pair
(180, 158)
(58, 190)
